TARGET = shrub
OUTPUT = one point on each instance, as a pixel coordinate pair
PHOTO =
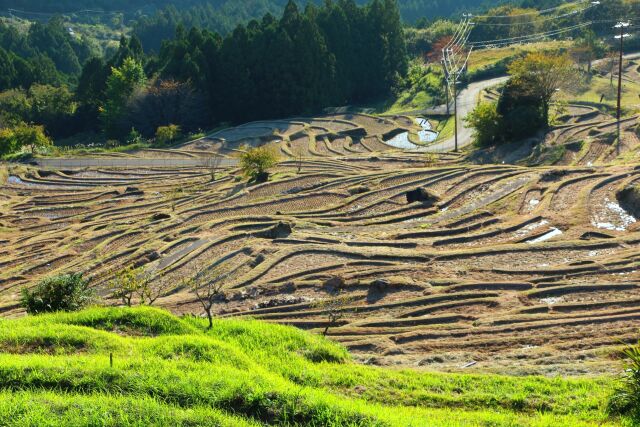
(485, 121)
(4, 174)
(65, 292)
(254, 162)
(430, 159)
(626, 398)
(134, 137)
(167, 134)
(23, 135)
(8, 142)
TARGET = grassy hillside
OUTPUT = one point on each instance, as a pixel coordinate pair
(55, 370)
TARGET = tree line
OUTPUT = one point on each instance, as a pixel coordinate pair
(308, 59)
(332, 55)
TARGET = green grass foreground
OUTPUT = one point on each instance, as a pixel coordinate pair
(55, 370)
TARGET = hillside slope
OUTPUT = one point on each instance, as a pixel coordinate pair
(411, 9)
(55, 370)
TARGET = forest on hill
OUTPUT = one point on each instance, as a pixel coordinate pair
(300, 61)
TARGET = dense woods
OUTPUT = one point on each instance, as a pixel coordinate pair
(45, 54)
(307, 60)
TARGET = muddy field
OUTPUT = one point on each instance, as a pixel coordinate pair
(492, 267)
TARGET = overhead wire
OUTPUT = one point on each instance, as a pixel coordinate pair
(520, 39)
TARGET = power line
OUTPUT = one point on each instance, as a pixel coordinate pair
(530, 37)
(455, 62)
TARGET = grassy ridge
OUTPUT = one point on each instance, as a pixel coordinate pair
(55, 370)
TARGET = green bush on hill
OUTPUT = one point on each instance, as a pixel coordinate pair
(254, 162)
(65, 292)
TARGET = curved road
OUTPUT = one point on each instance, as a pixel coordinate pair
(467, 101)
(126, 162)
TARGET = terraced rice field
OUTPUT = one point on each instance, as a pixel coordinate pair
(507, 269)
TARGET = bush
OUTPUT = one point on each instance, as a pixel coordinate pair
(8, 142)
(626, 398)
(522, 114)
(65, 292)
(486, 123)
(134, 137)
(167, 134)
(254, 162)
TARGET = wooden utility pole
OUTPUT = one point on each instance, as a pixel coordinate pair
(446, 85)
(455, 111)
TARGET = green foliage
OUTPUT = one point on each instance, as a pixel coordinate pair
(15, 106)
(121, 84)
(49, 106)
(45, 54)
(486, 123)
(8, 142)
(425, 78)
(331, 55)
(31, 136)
(167, 134)
(306, 61)
(424, 40)
(168, 101)
(588, 47)
(626, 397)
(21, 136)
(255, 161)
(134, 137)
(65, 292)
(128, 283)
(539, 76)
(523, 107)
(523, 113)
(54, 370)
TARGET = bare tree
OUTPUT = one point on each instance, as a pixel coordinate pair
(208, 283)
(336, 307)
(173, 195)
(212, 161)
(131, 284)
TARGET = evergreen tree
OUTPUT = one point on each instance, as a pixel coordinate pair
(121, 85)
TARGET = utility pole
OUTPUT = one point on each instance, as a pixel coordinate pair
(622, 26)
(446, 85)
(455, 64)
(455, 110)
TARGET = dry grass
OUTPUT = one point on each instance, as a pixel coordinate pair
(436, 284)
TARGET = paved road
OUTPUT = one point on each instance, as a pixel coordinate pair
(628, 56)
(467, 101)
(121, 162)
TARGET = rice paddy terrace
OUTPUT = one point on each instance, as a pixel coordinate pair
(447, 265)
